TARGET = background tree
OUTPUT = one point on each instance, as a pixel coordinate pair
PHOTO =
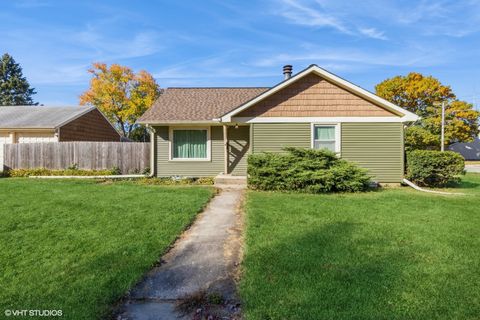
(414, 92)
(14, 87)
(461, 121)
(418, 137)
(122, 95)
(424, 95)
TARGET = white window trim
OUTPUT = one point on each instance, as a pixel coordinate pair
(338, 134)
(170, 145)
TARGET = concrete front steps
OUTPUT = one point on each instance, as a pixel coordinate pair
(229, 181)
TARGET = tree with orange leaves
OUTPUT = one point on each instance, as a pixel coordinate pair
(424, 96)
(122, 95)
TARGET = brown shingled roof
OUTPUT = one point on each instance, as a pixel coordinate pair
(197, 104)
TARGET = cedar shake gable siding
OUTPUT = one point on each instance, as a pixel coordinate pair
(91, 126)
(313, 96)
(197, 104)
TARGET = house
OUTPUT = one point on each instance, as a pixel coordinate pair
(469, 150)
(207, 131)
(23, 124)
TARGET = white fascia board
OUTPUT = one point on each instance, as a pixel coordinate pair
(406, 115)
(317, 119)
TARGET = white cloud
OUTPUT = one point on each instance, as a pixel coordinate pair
(442, 18)
(370, 18)
(301, 14)
(354, 57)
(74, 50)
(265, 65)
(318, 14)
(211, 67)
(105, 46)
(424, 10)
(373, 33)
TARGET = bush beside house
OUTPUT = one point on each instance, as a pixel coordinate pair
(434, 168)
(305, 170)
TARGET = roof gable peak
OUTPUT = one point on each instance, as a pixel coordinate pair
(340, 82)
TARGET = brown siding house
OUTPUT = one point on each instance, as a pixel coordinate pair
(92, 126)
(25, 124)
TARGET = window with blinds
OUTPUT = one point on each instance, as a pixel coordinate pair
(324, 137)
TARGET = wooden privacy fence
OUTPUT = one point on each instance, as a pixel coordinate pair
(129, 157)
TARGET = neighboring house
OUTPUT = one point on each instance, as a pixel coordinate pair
(54, 124)
(207, 131)
(469, 150)
(23, 124)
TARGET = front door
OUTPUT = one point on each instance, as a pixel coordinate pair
(238, 149)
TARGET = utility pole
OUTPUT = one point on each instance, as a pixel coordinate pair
(442, 147)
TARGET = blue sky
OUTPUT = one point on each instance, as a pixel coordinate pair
(241, 43)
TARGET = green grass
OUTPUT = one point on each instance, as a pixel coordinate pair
(79, 245)
(392, 254)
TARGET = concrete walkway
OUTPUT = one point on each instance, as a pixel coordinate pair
(202, 262)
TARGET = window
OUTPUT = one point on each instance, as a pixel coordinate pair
(190, 144)
(326, 137)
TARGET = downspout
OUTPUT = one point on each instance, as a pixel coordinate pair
(414, 186)
(404, 152)
(152, 150)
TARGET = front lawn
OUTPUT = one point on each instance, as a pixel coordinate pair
(78, 246)
(392, 254)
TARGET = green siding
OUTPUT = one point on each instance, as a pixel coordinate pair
(377, 147)
(272, 137)
(166, 168)
(238, 150)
